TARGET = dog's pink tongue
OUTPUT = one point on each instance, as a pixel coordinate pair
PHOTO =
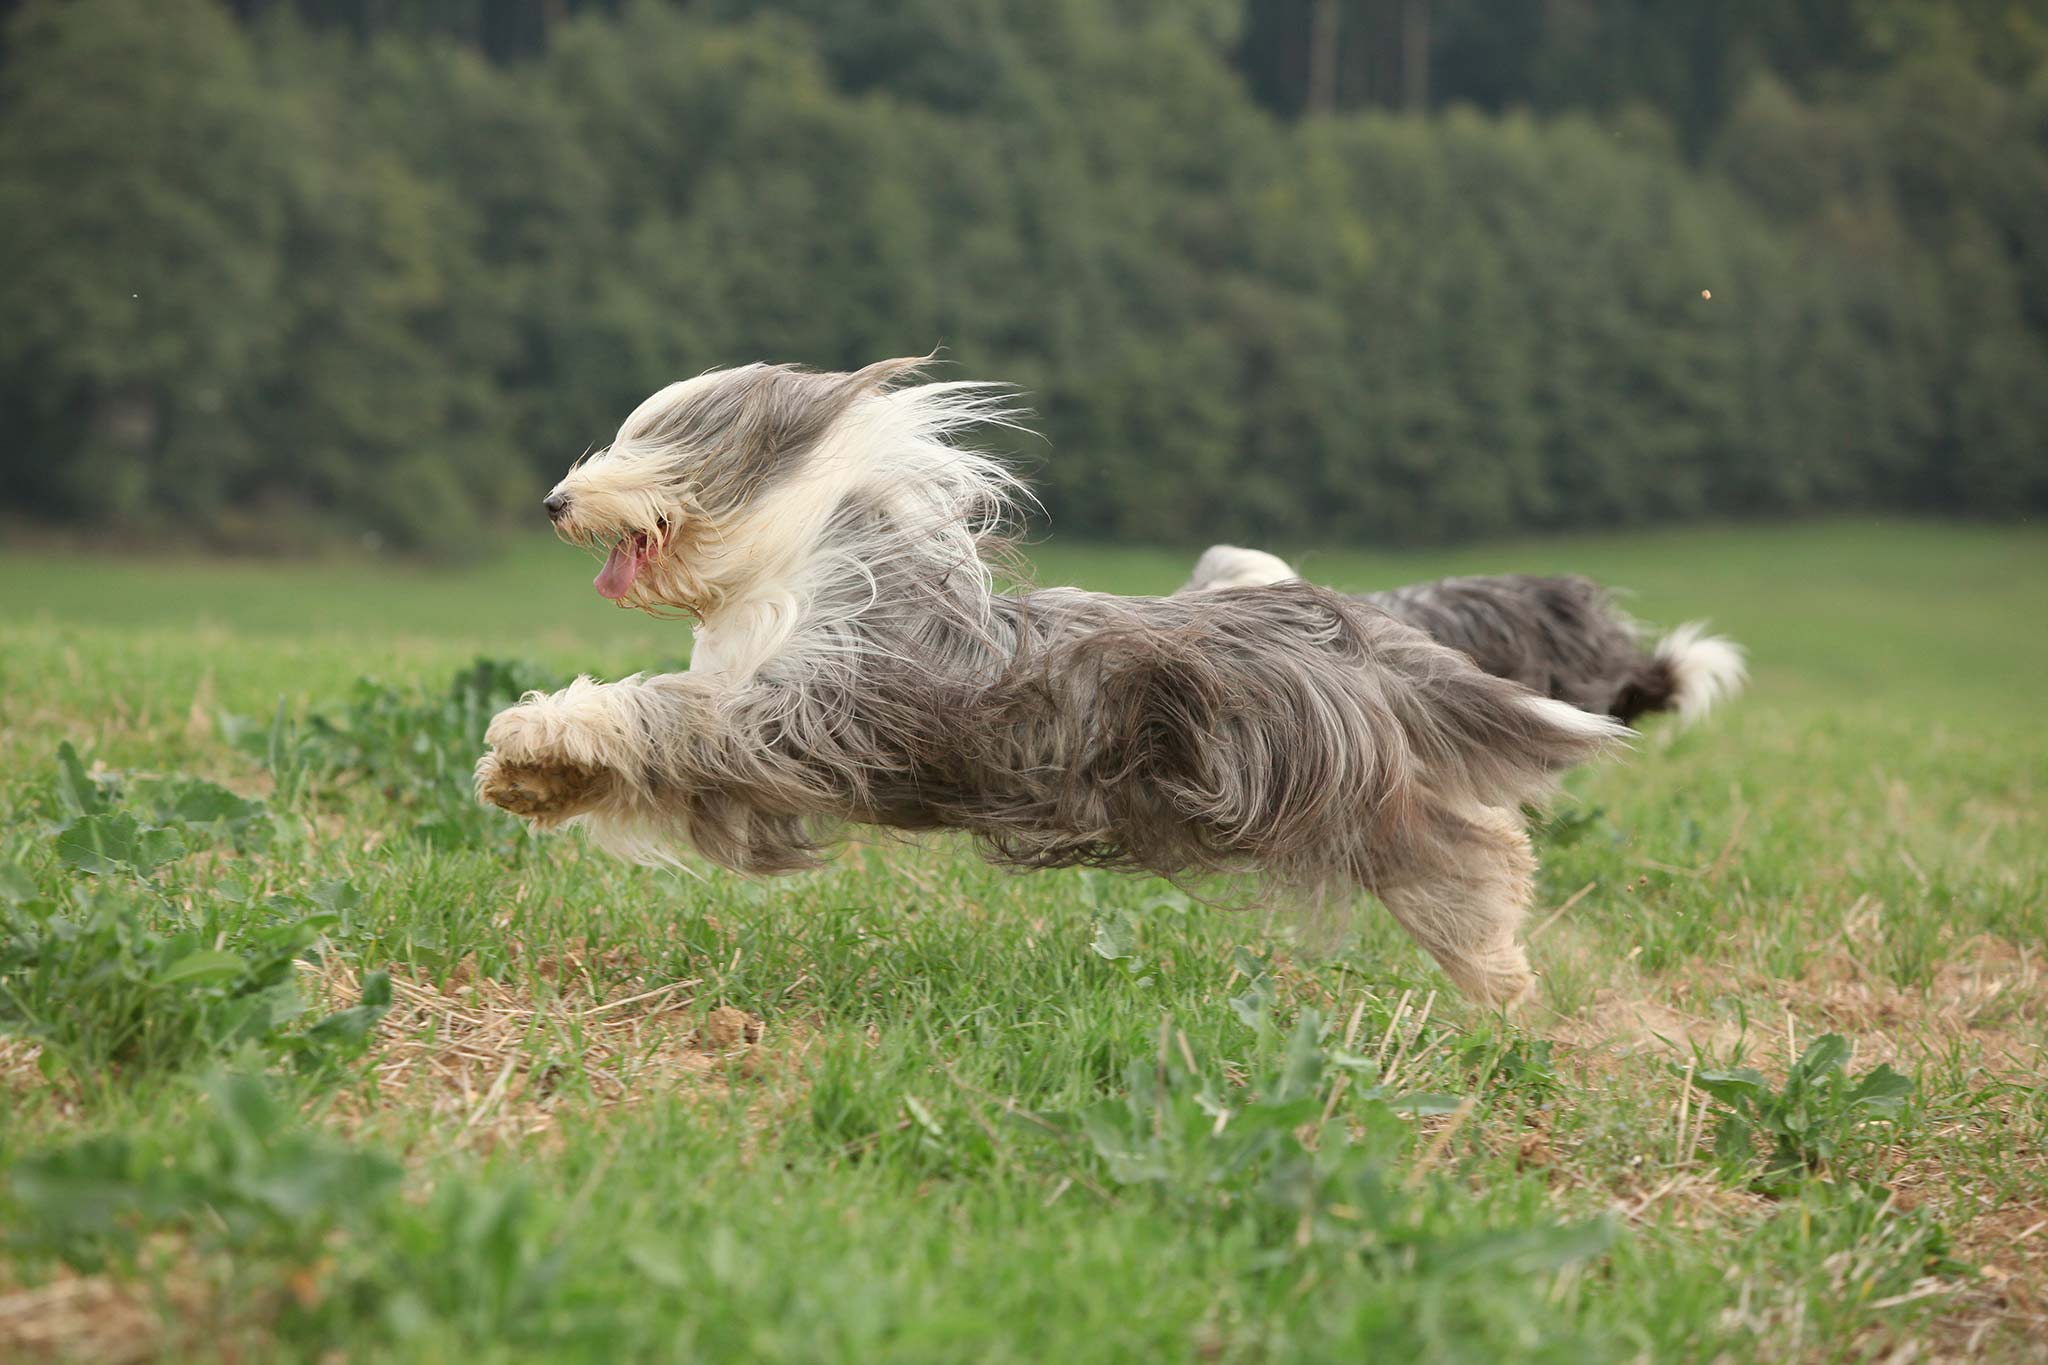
(615, 579)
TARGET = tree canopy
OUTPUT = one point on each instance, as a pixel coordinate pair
(1373, 269)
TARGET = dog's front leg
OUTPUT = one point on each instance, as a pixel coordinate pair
(657, 764)
(559, 754)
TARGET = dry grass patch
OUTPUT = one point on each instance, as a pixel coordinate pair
(178, 1309)
(1986, 1007)
(492, 1062)
(179, 1304)
(19, 1072)
(1986, 991)
(82, 1317)
(2004, 1239)
(1621, 1020)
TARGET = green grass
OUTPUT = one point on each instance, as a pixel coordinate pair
(913, 1108)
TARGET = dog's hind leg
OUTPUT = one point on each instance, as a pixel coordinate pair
(1464, 900)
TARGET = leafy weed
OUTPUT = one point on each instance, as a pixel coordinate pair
(1819, 1119)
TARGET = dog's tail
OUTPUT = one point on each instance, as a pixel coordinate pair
(1233, 566)
(1512, 745)
(1689, 672)
(1489, 740)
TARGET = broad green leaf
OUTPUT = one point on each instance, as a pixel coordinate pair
(336, 896)
(1253, 1007)
(1734, 1138)
(1882, 1087)
(1249, 964)
(80, 792)
(16, 885)
(157, 847)
(196, 801)
(1116, 936)
(1354, 1062)
(245, 1103)
(1277, 1114)
(1729, 1086)
(1131, 1157)
(205, 965)
(1826, 1053)
(109, 842)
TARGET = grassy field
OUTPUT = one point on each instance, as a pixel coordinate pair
(302, 1055)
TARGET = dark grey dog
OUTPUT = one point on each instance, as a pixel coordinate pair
(1563, 637)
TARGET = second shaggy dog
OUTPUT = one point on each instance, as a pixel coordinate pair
(1563, 637)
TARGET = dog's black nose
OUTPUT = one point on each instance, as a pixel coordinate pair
(557, 505)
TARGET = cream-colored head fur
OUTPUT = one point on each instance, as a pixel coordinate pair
(732, 497)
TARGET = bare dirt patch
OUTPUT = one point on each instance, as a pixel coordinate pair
(493, 1062)
(72, 1316)
(80, 1317)
(1988, 994)
(18, 1069)
(1987, 1004)
(1623, 1020)
(1986, 990)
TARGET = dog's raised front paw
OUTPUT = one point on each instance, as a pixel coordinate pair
(545, 793)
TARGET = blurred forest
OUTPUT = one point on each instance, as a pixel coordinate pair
(274, 271)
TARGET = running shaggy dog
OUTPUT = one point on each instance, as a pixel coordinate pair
(1562, 636)
(854, 663)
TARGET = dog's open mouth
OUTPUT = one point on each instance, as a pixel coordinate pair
(623, 565)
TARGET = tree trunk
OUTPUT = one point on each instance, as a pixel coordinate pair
(1322, 57)
(1415, 55)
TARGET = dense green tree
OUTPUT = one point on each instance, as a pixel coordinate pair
(340, 267)
(383, 387)
(141, 227)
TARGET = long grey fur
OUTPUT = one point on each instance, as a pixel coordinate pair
(855, 665)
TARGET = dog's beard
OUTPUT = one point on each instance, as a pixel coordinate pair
(640, 566)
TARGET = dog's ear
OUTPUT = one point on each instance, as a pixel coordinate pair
(884, 375)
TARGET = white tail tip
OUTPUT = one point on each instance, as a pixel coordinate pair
(1706, 670)
(1232, 566)
(1562, 715)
